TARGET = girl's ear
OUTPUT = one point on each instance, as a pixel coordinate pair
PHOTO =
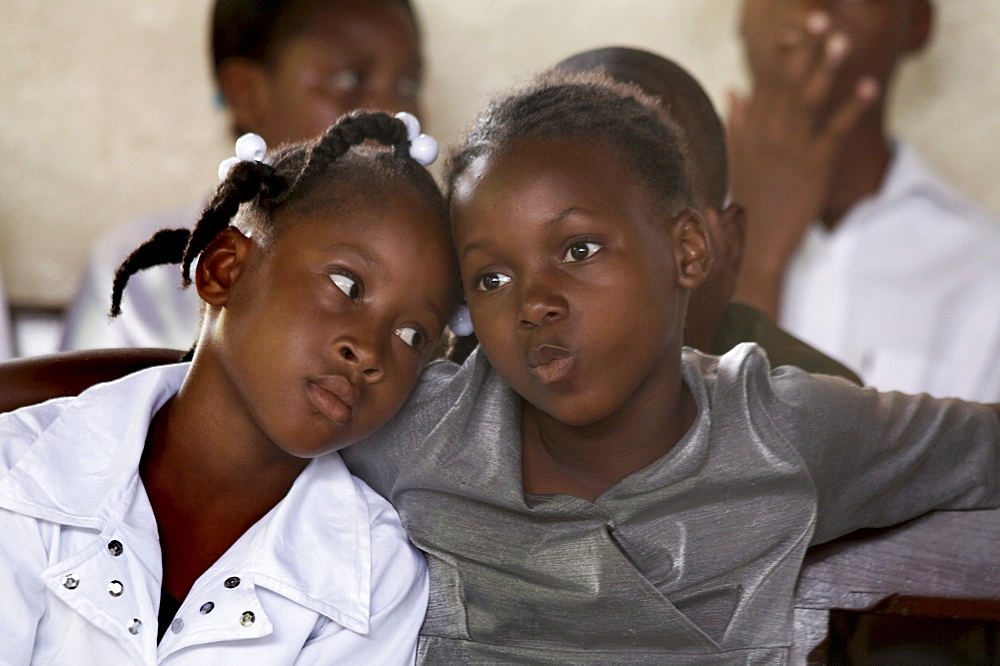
(220, 265)
(692, 256)
(921, 26)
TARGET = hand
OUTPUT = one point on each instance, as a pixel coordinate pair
(784, 144)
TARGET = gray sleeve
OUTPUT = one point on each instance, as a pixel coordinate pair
(380, 458)
(877, 459)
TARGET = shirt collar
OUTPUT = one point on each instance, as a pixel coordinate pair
(314, 547)
(83, 466)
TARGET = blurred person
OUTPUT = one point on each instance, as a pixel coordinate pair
(853, 243)
(285, 70)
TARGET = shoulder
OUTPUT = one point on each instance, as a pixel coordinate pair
(930, 209)
(20, 429)
(743, 323)
(396, 564)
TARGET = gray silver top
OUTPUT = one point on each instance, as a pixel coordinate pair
(693, 558)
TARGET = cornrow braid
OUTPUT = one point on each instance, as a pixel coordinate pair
(287, 178)
(351, 131)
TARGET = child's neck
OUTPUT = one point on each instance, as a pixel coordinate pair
(860, 171)
(585, 461)
(206, 482)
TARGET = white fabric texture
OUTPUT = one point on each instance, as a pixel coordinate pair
(156, 312)
(328, 573)
(904, 290)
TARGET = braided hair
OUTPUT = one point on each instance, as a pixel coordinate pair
(253, 192)
(595, 108)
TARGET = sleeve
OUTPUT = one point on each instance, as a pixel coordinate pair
(400, 591)
(22, 559)
(877, 459)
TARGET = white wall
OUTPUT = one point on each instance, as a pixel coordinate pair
(106, 110)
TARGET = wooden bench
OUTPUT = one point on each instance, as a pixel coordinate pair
(942, 565)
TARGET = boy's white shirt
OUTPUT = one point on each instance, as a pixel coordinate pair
(328, 573)
(904, 290)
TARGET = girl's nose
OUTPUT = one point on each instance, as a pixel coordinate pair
(541, 305)
(362, 358)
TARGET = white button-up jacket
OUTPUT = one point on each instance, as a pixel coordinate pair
(327, 576)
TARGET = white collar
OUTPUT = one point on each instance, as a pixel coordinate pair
(82, 470)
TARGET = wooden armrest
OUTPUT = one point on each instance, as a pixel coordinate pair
(35, 379)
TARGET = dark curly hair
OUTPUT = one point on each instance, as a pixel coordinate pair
(297, 179)
(254, 29)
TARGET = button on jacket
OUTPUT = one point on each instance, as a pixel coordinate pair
(327, 576)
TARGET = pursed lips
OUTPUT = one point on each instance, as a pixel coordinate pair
(550, 363)
(334, 396)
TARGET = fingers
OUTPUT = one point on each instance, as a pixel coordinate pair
(846, 116)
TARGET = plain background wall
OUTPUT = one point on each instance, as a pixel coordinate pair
(107, 105)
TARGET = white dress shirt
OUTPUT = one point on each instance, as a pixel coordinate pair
(156, 311)
(906, 289)
(327, 576)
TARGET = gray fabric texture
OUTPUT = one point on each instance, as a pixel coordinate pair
(692, 559)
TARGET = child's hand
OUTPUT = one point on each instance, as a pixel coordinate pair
(784, 143)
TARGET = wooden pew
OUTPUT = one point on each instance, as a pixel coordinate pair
(945, 564)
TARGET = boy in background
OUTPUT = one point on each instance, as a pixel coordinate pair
(853, 243)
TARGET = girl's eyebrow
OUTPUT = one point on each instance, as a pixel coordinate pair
(361, 253)
(555, 219)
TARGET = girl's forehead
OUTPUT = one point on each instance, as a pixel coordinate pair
(573, 165)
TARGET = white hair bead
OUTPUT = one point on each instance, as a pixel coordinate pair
(412, 124)
(251, 148)
(461, 322)
(424, 149)
(226, 165)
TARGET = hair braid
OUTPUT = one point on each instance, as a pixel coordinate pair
(351, 131)
(165, 247)
(246, 181)
(285, 182)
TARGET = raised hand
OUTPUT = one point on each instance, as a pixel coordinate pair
(785, 141)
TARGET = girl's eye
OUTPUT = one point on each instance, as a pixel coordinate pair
(492, 281)
(411, 336)
(347, 284)
(581, 251)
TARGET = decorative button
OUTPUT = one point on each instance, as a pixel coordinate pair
(177, 626)
(115, 588)
(232, 582)
(115, 547)
(247, 619)
(70, 581)
(134, 626)
(206, 608)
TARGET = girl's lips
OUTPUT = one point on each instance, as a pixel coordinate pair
(550, 363)
(334, 396)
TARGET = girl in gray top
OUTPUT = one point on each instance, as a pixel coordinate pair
(586, 490)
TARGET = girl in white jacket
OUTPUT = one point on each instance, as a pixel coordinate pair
(207, 498)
